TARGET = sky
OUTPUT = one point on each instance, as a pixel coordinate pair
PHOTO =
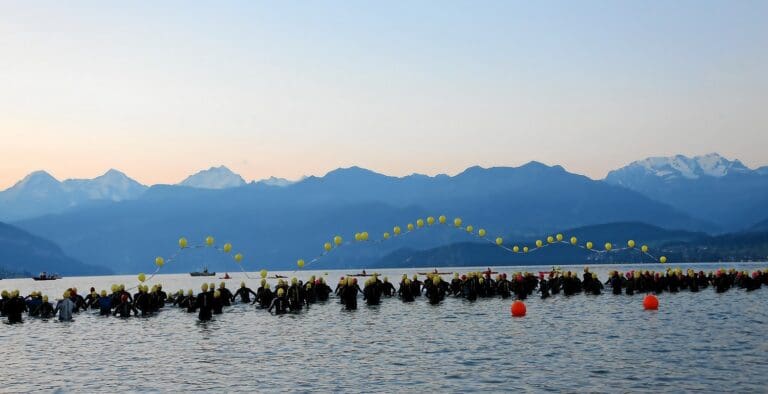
(160, 90)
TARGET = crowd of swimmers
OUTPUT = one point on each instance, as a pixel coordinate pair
(294, 296)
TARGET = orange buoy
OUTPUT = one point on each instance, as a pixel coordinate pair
(518, 309)
(650, 302)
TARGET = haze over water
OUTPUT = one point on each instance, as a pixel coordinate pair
(703, 341)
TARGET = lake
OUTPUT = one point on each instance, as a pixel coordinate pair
(695, 341)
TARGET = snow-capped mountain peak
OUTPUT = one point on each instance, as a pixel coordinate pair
(214, 178)
(679, 166)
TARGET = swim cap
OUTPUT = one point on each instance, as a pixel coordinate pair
(386, 279)
(263, 281)
(216, 294)
(280, 292)
(204, 287)
(222, 285)
(67, 294)
(103, 293)
(189, 292)
(294, 280)
(242, 284)
(45, 298)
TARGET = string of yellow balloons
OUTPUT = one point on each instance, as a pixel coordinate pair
(208, 242)
(430, 221)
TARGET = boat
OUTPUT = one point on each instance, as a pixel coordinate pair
(435, 272)
(204, 272)
(226, 276)
(46, 276)
(362, 274)
(280, 277)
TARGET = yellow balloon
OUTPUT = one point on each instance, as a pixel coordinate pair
(631, 243)
(182, 242)
(420, 223)
(499, 241)
(539, 243)
(442, 219)
(410, 227)
(396, 230)
(142, 277)
(358, 237)
(239, 257)
(516, 249)
(470, 229)
(590, 245)
(481, 232)
(386, 235)
(364, 236)
(159, 261)
(574, 240)
(608, 246)
(209, 240)
(644, 248)
(525, 249)
(227, 247)
(550, 239)
(263, 273)
(430, 220)
(327, 246)
(663, 259)
(559, 237)
(337, 240)
(457, 222)
(300, 263)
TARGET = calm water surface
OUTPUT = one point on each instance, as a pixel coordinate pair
(705, 342)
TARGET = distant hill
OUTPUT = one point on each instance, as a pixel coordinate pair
(24, 253)
(275, 225)
(723, 191)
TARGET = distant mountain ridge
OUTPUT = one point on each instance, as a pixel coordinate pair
(273, 226)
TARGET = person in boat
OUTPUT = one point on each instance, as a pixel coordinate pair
(125, 307)
(226, 295)
(65, 307)
(244, 293)
(204, 303)
(279, 303)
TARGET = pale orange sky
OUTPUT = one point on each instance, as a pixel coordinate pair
(162, 91)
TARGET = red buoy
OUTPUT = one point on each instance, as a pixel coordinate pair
(650, 302)
(518, 309)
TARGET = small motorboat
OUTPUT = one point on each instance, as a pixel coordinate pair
(46, 276)
(363, 273)
(280, 277)
(226, 276)
(204, 272)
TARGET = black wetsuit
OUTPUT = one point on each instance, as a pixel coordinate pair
(245, 295)
(279, 304)
(205, 305)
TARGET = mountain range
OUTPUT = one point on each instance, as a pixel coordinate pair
(274, 222)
